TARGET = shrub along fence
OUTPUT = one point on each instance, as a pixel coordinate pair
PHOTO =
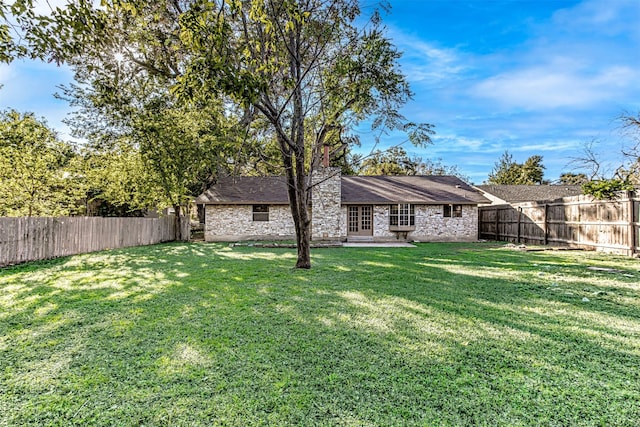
(579, 221)
(35, 238)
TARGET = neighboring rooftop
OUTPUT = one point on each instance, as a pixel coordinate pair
(528, 193)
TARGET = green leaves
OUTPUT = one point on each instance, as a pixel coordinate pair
(119, 183)
(300, 67)
(606, 189)
(58, 36)
(38, 173)
(394, 161)
(507, 172)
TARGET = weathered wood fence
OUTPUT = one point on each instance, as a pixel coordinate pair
(32, 239)
(580, 221)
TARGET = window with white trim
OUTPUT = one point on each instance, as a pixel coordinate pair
(402, 215)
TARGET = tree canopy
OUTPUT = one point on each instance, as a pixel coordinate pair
(508, 172)
(393, 161)
(569, 178)
(396, 161)
(604, 184)
(39, 174)
(295, 75)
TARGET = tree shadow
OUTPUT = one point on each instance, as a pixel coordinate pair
(201, 334)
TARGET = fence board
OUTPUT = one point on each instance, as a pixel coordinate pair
(31, 239)
(612, 226)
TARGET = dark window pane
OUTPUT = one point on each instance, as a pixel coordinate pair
(261, 212)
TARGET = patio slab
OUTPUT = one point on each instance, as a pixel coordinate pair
(378, 245)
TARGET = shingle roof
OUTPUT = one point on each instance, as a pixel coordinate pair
(408, 189)
(247, 190)
(530, 193)
(355, 190)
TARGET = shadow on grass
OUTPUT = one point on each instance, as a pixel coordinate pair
(201, 334)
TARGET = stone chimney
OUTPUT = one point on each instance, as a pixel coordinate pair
(326, 201)
(325, 157)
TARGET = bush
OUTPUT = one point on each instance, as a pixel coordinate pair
(606, 189)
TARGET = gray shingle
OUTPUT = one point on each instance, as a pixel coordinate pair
(531, 193)
(247, 190)
(408, 189)
(355, 190)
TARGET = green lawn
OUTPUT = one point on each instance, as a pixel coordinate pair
(204, 334)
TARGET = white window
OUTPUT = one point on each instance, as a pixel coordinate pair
(402, 215)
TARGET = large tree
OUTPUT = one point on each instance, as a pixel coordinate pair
(127, 110)
(570, 178)
(394, 161)
(630, 170)
(170, 151)
(38, 172)
(506, 171)
(437, 167)
(117, 181)
(304, 72)
(305, 68)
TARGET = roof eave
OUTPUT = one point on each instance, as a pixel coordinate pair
(240, 203)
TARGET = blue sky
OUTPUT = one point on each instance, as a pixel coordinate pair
(532, 77)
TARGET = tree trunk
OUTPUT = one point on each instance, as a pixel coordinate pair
(177, 219)
(304, 247)
(297, 191)
(292, 148)
(303, 232)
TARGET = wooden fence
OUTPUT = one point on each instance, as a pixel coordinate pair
(31, 239)
(580, 221)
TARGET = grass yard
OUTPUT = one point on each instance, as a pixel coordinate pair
(204, 334)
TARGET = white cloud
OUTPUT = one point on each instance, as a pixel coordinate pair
(548, 146)
(608, 17)
(424, 62)
(582, 57)
(550, 86)
(455, 143)
(559, 83)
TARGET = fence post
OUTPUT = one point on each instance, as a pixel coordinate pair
(632, 223)
(497, 220)
(519, 222)
(546, 224)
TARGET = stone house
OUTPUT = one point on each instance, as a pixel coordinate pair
(356, 208)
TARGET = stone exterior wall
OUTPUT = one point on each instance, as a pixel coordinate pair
(326, 215)
(381, 223)
(343, 224)
(235, 222)
(329, 219)
(431, 226)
